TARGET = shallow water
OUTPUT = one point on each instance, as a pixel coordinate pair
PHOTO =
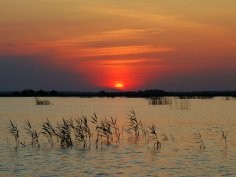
(180, 156)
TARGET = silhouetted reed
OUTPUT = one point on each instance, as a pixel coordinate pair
(198, 137)
(103, 131)
(42, 102)
(107, 131)
(135, 127)
(160, 101)
(224, 136)
(82, 131)
(48, 131)
(115, 130)
(154, 136)
(13, 129)
(63, 133)
(180, 104)
(32, 133)
(70, 132)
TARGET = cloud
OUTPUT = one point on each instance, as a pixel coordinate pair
(123, 50)
(144, 61)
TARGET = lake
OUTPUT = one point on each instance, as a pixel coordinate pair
(182, 132)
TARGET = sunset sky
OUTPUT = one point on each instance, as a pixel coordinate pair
(92, 45)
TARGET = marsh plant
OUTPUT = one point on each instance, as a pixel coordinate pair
(34, 135)
(107, 131)
(48, 131)
(199, 139)
(136, 130)
(181, 103)
(82, 131)
(14, 131)
(154, 137)
(63, 133)
(224, 136)
(115, 130)
(42, 102)
(160, 101)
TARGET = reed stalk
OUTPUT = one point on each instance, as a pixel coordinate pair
(13, 129)
(32, 133)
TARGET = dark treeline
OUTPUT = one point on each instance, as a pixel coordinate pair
(131, 94)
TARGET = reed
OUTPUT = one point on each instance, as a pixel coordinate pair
(181, 103)
(154, 136)
(32, 133)
(14, 131)
(198, 137)
(115, 131)
(135, 128)
(107, 131)
(224, 136)
(63, 132)
(70, 132)
(82, 131)
(103, 130)
(42, 102)
(160, 101)
(48, 131)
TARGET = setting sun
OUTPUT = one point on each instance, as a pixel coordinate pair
(119, 85)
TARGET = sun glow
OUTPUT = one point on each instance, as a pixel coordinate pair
(119, 85)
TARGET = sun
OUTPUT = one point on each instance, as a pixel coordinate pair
(119, 85)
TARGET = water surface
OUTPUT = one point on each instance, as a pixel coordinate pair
(180, 156)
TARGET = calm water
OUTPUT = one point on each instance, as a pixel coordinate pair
(180, 156)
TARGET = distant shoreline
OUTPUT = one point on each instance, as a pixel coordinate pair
(128, 94)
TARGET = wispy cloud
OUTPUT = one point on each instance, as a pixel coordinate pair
(122, 34)
(130, 61)
(123, 50)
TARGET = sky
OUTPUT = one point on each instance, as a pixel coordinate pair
(81, 45)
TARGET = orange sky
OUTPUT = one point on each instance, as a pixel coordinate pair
(167, 44)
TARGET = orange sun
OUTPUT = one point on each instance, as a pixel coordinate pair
(119, 85)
